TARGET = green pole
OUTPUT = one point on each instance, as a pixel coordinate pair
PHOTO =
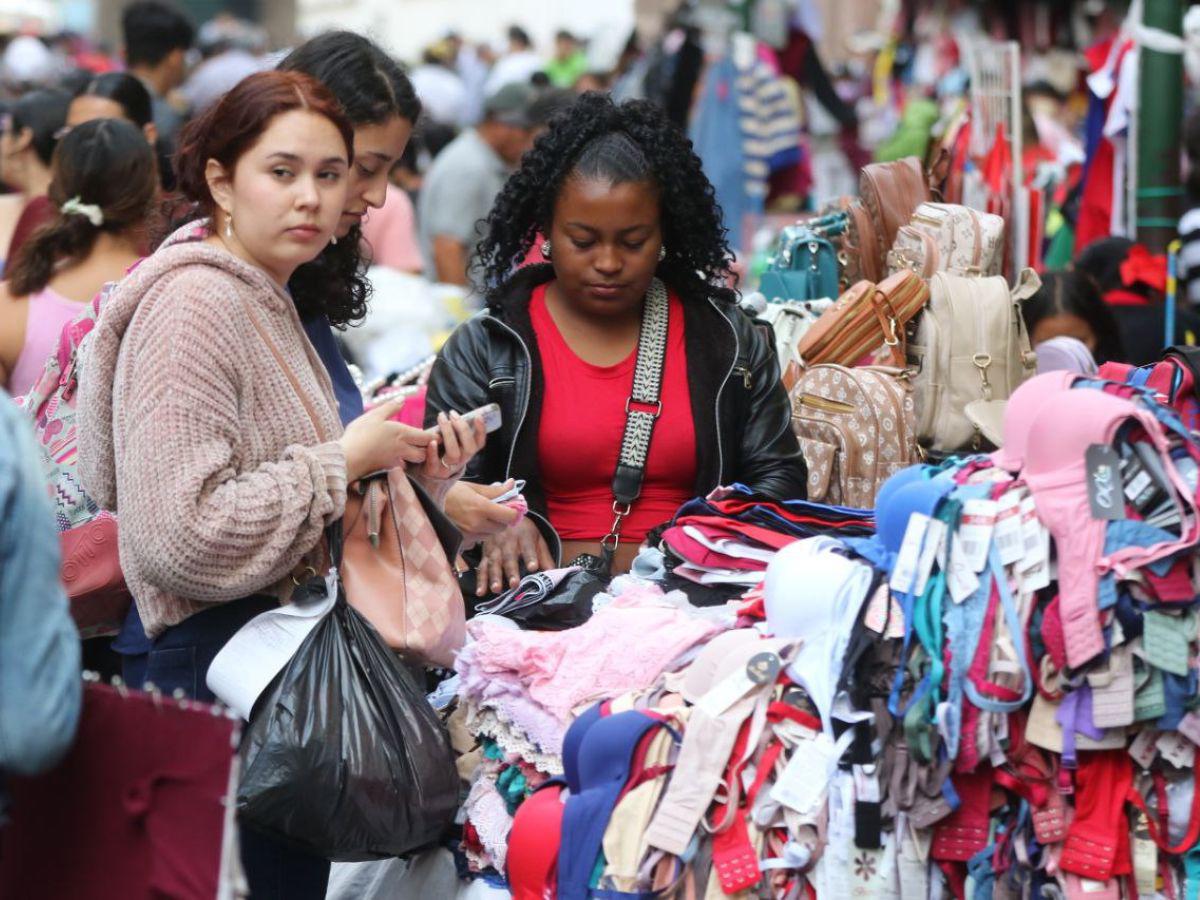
(1160, 124)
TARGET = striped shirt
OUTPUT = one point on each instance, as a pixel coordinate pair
(1189, 256)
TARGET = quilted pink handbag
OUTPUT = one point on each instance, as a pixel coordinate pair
(396, 572)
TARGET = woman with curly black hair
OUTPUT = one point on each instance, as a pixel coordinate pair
(634, 239)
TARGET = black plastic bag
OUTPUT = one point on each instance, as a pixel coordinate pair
(344, 757)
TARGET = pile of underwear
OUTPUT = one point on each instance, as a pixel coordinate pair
(995, 695)
(729, 537)
(517, 690)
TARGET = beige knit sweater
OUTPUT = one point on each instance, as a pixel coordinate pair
(192, 433)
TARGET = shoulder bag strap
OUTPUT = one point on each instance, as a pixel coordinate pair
(287, 371)
(642, 409)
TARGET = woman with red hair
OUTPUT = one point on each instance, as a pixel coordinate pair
(208, 422)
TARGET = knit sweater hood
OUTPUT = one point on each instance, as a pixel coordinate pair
(183, 248)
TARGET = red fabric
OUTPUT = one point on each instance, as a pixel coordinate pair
(1118, 297)
(744, 532)
(533, 845)
(1142, 266)
(1097, 845)
(964, 832)
(1096, 203)
(135, 810)
(583, 421)
(37, 212)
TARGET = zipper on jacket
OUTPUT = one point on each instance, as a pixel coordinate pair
(737, 348)
(744, 371)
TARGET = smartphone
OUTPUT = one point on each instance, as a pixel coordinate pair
(490, 415)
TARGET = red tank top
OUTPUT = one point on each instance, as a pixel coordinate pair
(582, 422)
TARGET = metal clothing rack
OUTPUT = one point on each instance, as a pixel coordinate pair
(995, 99)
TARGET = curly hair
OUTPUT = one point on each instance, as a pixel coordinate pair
(371, 88)
(630, 142)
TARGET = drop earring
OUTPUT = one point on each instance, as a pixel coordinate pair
(662, 253)
(333, 240)
(229, 225)
(546, 248)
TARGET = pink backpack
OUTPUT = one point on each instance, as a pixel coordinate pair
(51, 405)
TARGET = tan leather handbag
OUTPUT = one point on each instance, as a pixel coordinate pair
(891, 192)
(865, 318)
(396, 568)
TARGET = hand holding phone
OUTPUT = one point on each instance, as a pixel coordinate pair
(490, 414)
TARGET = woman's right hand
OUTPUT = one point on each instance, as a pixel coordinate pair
(372, 443)
(502, 555)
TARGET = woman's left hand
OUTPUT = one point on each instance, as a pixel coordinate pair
(460, 440)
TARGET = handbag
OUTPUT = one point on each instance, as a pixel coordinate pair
(864, 318)
(91, 573)
(806, 266)
(396, 567)
(396, 570)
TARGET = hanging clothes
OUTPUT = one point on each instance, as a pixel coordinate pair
(1101, 171)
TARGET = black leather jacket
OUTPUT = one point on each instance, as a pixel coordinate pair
(739, 407)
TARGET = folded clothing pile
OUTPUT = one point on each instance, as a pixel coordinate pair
(518, 691)
(729, 537)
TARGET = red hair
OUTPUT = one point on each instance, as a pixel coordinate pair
(231, 126)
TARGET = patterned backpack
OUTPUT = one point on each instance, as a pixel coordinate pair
(856, 427)
(51, 405)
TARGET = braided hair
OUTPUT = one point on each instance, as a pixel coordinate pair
(595, 138)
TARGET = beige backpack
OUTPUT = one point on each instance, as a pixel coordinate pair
(856, 429)
(971, 344)
(946, 237)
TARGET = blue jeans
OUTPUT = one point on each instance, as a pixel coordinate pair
(179, 659)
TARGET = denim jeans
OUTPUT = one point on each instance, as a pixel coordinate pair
(179, 659)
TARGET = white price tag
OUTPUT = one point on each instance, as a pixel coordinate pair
(1009, 535)
(1176, 749)
(1144, 749)
(732, 688)
(961, 579)
(931, 549)
(803, 782)
(975, 532)
(904, 573)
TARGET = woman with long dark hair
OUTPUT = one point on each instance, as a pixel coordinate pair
(102, 191)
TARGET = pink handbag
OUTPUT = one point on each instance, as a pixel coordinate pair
(91, 574)
(396, 571)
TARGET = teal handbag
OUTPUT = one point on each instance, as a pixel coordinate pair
(805, 267)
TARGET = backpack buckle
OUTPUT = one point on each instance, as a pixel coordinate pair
(982, 361)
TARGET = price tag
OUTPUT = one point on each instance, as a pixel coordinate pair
(1144, 747)
(1189, 727)
(975, 532)
(1009, 535)
(732, 688)
(961, 580)
(803, 782)
(931, 549)
(904, 573)
(866, 784)
(1106, 495)
(1176, 749)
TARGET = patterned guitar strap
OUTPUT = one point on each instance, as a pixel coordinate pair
(642, 410)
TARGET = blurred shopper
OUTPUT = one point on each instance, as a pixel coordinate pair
(103, 189)
(570, 61)
(232, 50)
(1068, 304)
(439, 86)
(157, 38)
(115, 95)
(39, 646)
(465, 179)
(518, 65)
(31, 132)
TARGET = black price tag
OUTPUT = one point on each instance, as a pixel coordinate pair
(1106, 493)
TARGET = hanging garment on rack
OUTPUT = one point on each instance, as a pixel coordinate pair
(770, 123)
(142, 806)
(1096, 206)
(717, 116)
